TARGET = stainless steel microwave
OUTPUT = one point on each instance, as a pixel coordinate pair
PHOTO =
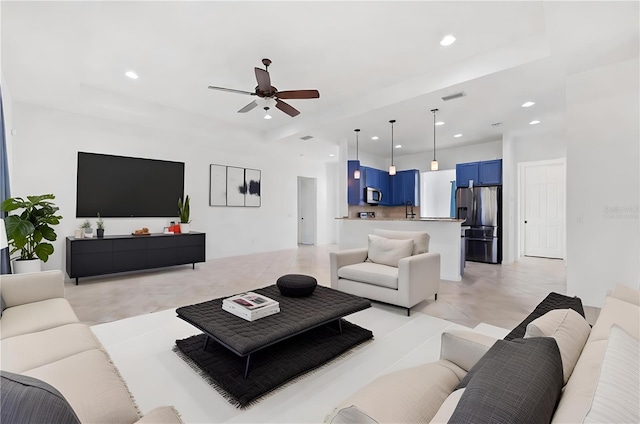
(372, 195)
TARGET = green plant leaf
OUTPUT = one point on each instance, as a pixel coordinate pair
(43, 251)
(18, 228)
(48, 233)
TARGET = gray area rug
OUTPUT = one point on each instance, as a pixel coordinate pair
(271, 367)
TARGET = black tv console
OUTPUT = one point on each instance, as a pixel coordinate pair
(97, 256)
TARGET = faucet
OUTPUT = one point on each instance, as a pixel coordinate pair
(408, 214)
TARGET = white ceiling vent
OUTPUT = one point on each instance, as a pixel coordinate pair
(306, 137)
(454, 96)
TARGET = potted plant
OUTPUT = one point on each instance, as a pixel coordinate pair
(100, 227)
(184, 212)
(88, 231)
(30, 231)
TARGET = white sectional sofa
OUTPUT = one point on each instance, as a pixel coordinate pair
(41, 337)
(597, 381)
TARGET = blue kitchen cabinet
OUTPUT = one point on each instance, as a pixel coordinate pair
(372, 177)
(385, 188)
(355, 188)
(490, 172)
(404, 186)
(466, 172)
(485, 173)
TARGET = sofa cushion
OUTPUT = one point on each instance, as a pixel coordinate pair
(627, 294)
(26, 399)
(93, 387)
(386, 251)
(420, 238)
(517, 381)
(21, 353)
(448, 406)
(352, 415)
(371, 273)
(617, 398)
(569, 329)
(411, 395)
(36, 316)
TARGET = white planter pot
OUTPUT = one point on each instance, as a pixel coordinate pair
(25, 266)
(184, 228)
(88, 234)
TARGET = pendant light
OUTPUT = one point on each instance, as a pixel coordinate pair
(434, 162)
(266, 113)
(392, 168)
(356, 173)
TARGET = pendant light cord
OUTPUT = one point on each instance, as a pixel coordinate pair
(392, 122)
(433, 111)
(357, 131)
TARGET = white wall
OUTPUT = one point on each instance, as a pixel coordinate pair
(448, 158)
(7, 109)
(603, 181)
(45, 155)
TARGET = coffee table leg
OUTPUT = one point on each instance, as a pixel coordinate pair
(246, 367)
(340, 325)
(206, 342)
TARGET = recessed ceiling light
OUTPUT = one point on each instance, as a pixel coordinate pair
(375, 137)
(131, 74)
(440, 123)
(528, 104)
(534, 122)
(447, 40)
(398, 146)
(457, 135)
(331, 155)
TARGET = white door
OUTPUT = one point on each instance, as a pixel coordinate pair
(307, 210)
(543, 208)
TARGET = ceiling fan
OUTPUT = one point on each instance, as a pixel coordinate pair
(264, 89)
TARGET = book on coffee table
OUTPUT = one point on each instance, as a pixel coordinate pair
(251, 306)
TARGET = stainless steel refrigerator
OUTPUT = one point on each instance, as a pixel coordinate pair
(481, 207)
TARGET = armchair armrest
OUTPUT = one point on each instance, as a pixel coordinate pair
(419, 277)
(342, 258)
(161, 415)
(464, 348)
(19, 289)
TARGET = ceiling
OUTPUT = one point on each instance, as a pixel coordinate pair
(371, 62)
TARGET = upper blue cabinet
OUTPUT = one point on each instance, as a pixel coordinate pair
(396, 190)
(486, 173)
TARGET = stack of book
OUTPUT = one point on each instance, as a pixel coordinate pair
(251, 306)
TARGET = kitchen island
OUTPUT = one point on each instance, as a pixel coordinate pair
(444, 236)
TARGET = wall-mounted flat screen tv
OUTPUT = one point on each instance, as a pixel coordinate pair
(124, 187)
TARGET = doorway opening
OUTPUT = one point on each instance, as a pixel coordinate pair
(307, 210)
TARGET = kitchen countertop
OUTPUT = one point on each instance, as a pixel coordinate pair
(433, 219)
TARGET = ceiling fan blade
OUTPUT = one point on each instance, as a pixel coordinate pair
(287, 108)
(231, 90)
(264, 80)
(298, 94)
(248, 107)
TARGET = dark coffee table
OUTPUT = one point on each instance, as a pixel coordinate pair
(297, 315)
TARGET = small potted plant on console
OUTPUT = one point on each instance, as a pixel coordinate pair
(99, 227)
(184, 212)
(88, 231)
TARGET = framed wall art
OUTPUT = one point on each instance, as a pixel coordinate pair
(234, 186)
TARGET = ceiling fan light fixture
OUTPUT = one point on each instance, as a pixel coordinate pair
(266, 113)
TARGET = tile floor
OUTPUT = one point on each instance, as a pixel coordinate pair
(493, 294)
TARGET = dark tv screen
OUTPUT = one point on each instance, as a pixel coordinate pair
(119, 186)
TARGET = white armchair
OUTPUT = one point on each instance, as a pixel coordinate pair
(391, 270)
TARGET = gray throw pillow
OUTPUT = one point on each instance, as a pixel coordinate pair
(29, 400)
(517, 381)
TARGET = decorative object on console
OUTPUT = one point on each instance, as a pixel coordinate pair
(434, 162)
(234, 186)
(185, 212)
(30, 232)
(86, 226)
(99, 227)
(356, 173)
(392, 168)
(296, 285)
